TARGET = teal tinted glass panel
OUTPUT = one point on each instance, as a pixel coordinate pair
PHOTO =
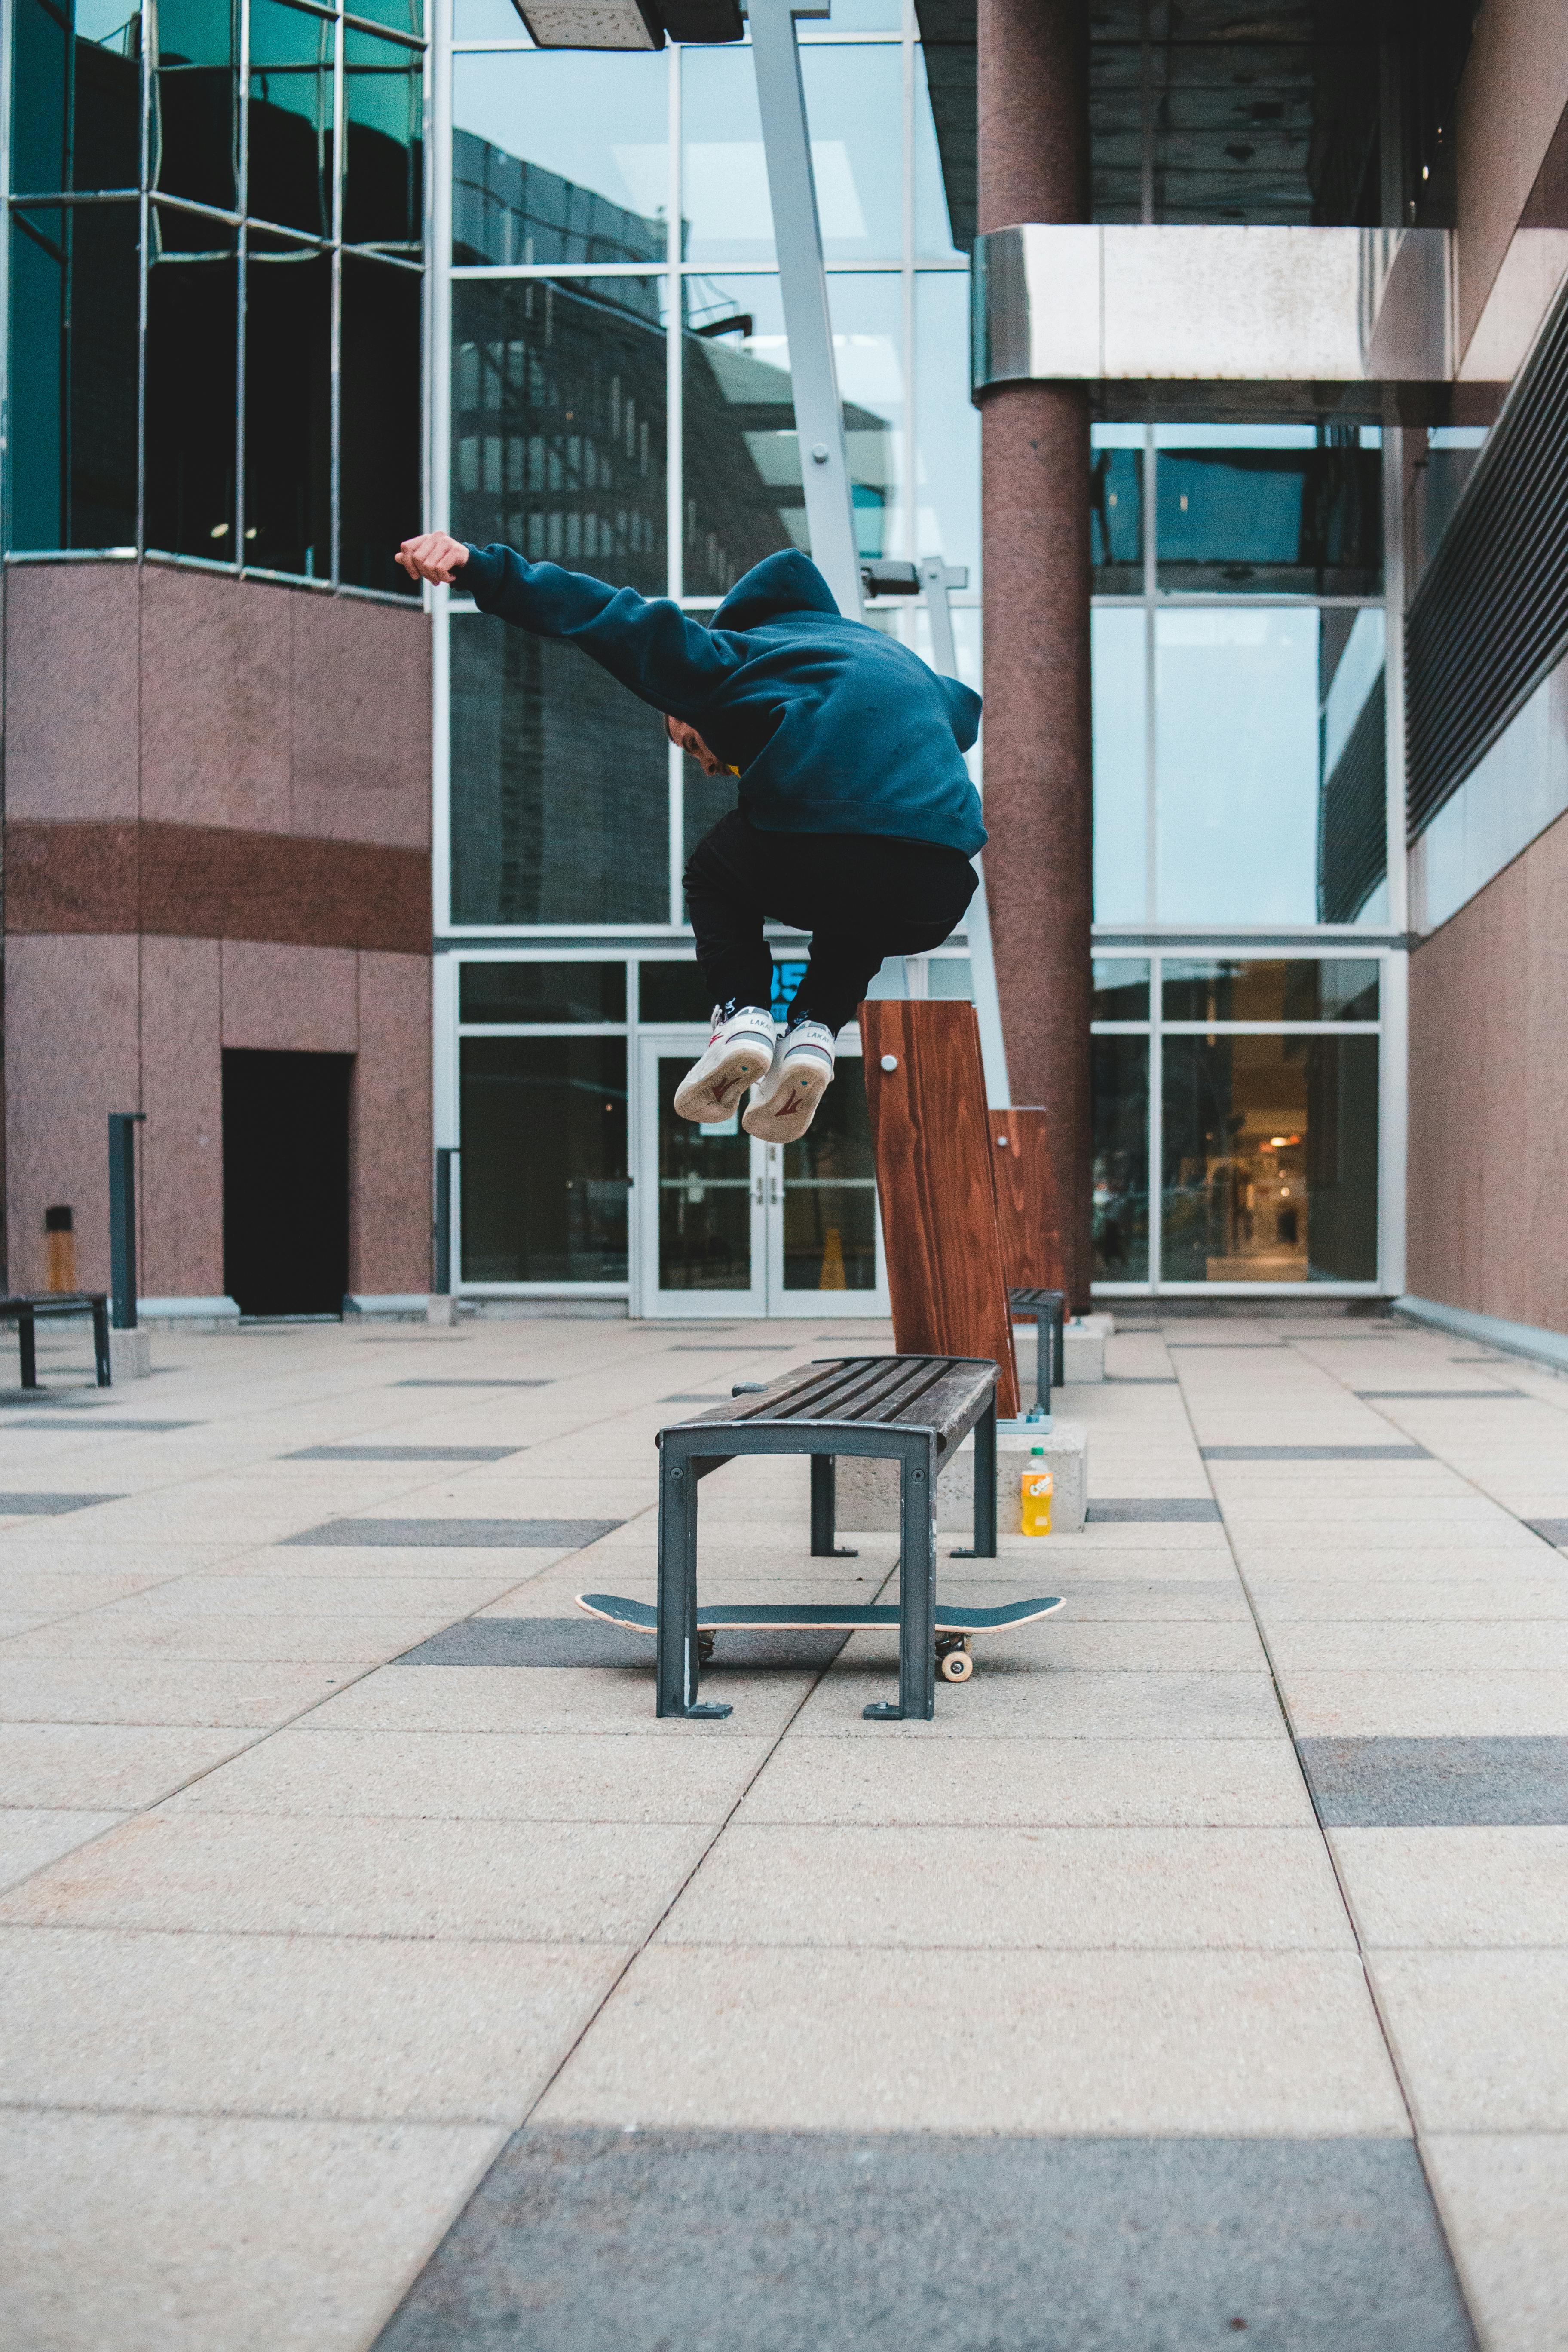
(558, 422)
(1120, 988)
(1251, 519)
(40, 98)
(1120, 682)
(560, 156)
(378, 466)
(541, 991)
(543, 1166)
(560, 786)
(290, 117)
(76, 109)
(383, 103)
(195, 130)
(288, 411)
(1120, 1168)
(1269, 1159)
(1116, 520)
(191, 377)
(397, 16)
(73, 376)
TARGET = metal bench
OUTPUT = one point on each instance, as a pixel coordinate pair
(1047, 1309)
(24, 1313)
(915, 1410)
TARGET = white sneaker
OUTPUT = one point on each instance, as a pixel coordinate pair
(740, 1051)
(783, 1103)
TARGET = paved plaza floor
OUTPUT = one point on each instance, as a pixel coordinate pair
(377, 1971)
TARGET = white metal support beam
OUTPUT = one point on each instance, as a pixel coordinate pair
(802, 284)
(937, 578)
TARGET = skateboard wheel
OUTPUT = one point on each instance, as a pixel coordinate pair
(955, 1666)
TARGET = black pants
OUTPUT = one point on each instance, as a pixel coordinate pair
(862, 895)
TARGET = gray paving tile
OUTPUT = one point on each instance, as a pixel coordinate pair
(1456, 1889)
(29, 1840)
(582, 1641)
(186, 2233)
(496, 1535)
(1439, 1396)
(1503, 2198)
(442, 1381)
(1478, 2036)
(1438, 1783)
(105, 1767)
(1553, 1531)
(1315, 1454)
(720, 2240)
(105, 1428)
(1133, 1509)
(50, 1507)
(402, 1454)
(713, 1399)
(1144, 1380)
(741, 1347)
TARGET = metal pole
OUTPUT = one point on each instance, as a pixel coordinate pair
(445, 1155)
(122, 1125)
(803, 283)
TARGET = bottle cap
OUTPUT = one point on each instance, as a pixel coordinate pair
(1036, 1449)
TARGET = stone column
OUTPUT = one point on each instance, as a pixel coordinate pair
(1033, 166)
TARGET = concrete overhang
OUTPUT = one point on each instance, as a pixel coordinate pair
(1180, 322)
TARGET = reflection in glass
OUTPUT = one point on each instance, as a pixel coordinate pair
(289, 168)
(934, 228)
(1269, 1159)
(1120, 686)
(854, 103)
(383, 105)
(704, 1195)
(594, 183)
(558, 422)
(1352, 816)
(560, 786)
(830, 1193)
(1116, 509)
(289, 409)
(73, 376)
(195, 88)
(1120, 1178)
(1236, 763)
(76, 109)
(671, 991)
(543, 1166)
(378, 468)
(192, 354)
(398, 16)
(1120, 988)
(541, 991)
(946, 489)
(488, 20)
(1281, 987)
(1242, 511)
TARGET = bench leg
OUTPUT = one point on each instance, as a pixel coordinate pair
(101, 1344)
(917, 1595)
(824, 1511)
(678, 1666)
(984, 1544)
(27, 1348)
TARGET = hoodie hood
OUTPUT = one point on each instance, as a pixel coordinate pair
(788, 582)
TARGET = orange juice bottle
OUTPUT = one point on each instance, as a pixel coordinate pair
(1039, 1485)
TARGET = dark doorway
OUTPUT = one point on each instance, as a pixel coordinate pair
(286, 1181)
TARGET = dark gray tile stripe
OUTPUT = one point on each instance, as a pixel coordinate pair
(702, 1397)
(1553, 1531)
(1440, 1396)
(402, 1454)
(1315, 1454)
(1131, 1510)
(1408, 1784)
(435, 1383)
(1145, 1380)
(50, 1506)
(584, 1641)
(732, 1348)
(434, 1535)
(595, 2241)
(105, 1428)
(1218, 1346)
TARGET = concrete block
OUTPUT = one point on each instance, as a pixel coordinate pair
(129, 1356)
(440, 1311)
(1083, 1347)
(867, 1490)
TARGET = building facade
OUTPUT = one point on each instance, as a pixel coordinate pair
(1273, 760)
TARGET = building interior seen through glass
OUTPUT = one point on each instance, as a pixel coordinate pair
(266, 330)
(1253, 1085)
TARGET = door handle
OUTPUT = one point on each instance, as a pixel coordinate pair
(757, 1195)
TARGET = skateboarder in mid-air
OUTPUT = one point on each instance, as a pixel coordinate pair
(856, 819)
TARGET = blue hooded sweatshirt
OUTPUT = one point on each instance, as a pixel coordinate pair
(833, 727)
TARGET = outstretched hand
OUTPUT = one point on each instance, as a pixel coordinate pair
(436, 555)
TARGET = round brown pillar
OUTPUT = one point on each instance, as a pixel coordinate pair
(1033, 166)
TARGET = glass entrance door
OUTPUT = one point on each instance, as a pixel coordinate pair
(731, 1226)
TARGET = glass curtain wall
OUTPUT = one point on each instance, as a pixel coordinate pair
(215, 250)
(621, 403)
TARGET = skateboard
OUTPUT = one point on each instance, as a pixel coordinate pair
(955, 1627)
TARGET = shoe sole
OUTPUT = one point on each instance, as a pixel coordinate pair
(785, 1117)
(713, 1096)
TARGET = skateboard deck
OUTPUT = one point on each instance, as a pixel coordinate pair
(953, 1628)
